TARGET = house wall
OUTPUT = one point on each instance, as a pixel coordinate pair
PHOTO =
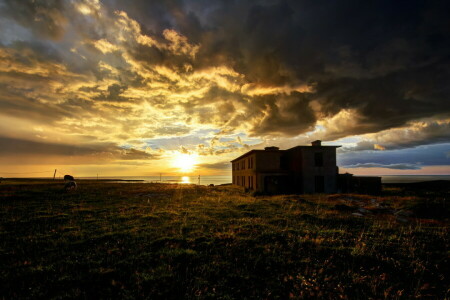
(309, 169)
(294, 163)
(267, 161)
(245, 168)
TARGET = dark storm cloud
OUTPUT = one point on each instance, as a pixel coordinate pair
(101, 151)
(44, 17)
(386, 60)
(269, 67)
(285, 114)
(421, 133)
(11, 146)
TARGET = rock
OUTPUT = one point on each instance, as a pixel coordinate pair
(362, 210)
(357, 214)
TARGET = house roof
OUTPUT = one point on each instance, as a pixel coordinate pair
(254, 151)
(266, 151)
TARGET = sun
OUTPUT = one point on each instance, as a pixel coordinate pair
(185, 163)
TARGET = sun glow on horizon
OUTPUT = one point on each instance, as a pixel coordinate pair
(185, 163)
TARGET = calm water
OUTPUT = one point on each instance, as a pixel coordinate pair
(223, 179)
(204, 180)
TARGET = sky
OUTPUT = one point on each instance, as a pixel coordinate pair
(142, 87)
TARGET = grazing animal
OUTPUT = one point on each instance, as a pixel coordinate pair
(70, 186)
(69, 177)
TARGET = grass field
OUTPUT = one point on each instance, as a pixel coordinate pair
(137, 240)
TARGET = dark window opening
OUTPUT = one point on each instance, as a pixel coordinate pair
(283, 162)
(318, 159)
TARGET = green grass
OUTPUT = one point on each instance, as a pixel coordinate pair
(137, 240)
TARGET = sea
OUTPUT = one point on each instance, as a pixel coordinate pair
(226, 179)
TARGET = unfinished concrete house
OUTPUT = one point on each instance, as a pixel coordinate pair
(302, 169)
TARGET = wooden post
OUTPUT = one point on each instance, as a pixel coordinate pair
(198, 179)
(54, 174)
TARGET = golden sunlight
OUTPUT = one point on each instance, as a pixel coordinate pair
(185, 163)
(185, 179)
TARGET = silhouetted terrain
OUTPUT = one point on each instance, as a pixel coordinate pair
(141, 240)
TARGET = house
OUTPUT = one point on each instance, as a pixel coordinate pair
(347, 183)
(301, 169)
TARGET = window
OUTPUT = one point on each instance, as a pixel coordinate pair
(283, 162)
(318, 159)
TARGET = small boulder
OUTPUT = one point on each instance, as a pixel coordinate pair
(357, 214)
(364, 211)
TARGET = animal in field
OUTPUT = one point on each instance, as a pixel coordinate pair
(68, 178)
(70, 186)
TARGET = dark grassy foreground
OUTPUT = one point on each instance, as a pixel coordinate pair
(137, 240)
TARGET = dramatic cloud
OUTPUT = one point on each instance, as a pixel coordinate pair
(415, 134)
(220, 77)
(391, 166)
(217, 166)
(15, 150)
